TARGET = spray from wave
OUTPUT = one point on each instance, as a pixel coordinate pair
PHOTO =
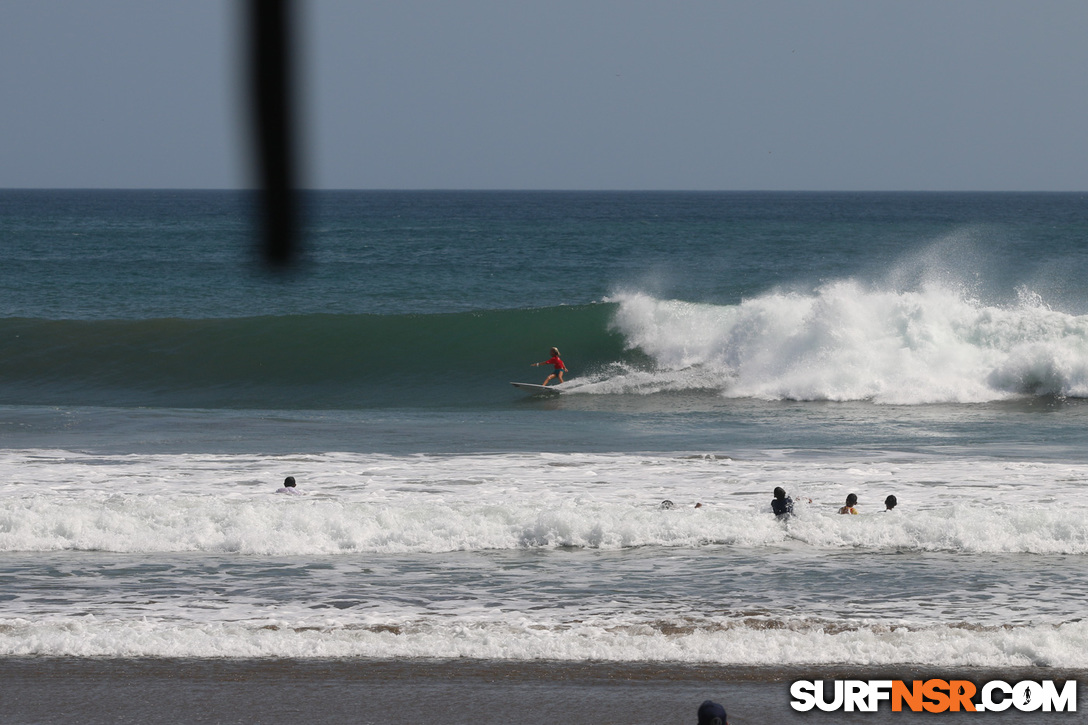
(848, 341)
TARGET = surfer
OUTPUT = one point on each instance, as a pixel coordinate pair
(890, 503)
(554, 360)
(849, 507)
(781, 504)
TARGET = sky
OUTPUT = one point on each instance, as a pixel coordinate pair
(930, 95)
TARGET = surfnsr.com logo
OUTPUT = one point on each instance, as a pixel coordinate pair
(933, 696)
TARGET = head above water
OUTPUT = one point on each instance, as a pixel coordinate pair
(851, 499)
(890, 502)
(779, 492)
(289, 482)
(711, 713)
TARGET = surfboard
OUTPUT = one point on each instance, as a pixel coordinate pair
(537, 389)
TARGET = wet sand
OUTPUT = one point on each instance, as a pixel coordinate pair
(71, 690)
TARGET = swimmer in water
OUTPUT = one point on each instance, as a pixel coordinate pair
(781, 504)
(289, 487)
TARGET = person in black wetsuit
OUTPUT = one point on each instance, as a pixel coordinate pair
(781, 504)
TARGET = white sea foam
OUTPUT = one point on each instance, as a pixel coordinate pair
(503, 557)
(737, 642)
(847, 341)
(59, 500)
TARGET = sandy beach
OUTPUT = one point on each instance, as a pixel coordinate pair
(68, 690)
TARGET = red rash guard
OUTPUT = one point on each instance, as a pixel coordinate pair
(556, 362)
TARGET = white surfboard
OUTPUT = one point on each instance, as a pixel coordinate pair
(537, 389)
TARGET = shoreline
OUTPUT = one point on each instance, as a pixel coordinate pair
(101, 690)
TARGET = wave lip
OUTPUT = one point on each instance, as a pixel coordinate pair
(846, 341)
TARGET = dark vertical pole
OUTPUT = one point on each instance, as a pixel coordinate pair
(271, 84)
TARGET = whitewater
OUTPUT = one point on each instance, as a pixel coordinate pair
(543, 556)
(848, 341)
(380, 504)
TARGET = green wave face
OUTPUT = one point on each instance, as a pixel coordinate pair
(305, 361)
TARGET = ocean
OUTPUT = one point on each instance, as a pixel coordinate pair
(157, 384)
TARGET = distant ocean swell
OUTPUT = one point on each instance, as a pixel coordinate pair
(842, 341)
